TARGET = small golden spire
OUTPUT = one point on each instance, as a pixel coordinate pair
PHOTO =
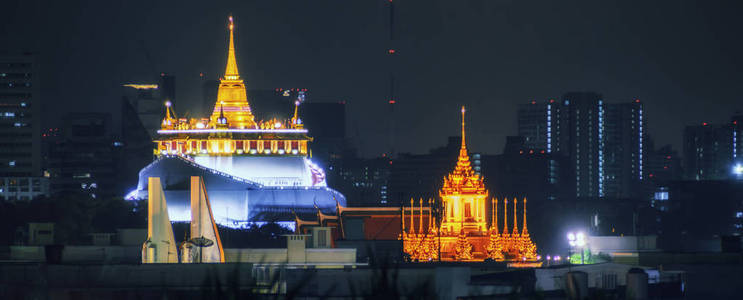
(412, 223)
(495, 215)
(402, 218)
(295, 118)
(231, 72)
(430, 212)
(524, 231)
(515, 218)
(420, 216)
(505, 216)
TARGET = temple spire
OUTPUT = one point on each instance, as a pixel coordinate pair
(464, 143)
(495, 216)
(524, 231)
(231, 72)
(505, 216)
(515, 217)
(420, 217)
(463, 161)
(412, 222)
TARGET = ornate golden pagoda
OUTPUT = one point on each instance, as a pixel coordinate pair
(231, 96)
(463, 233)
(232, 129)
(463, 195)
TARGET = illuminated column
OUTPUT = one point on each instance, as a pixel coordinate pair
(160, 244)
(205, 240)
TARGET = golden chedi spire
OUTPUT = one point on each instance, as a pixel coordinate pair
(231, 96)
(463, 194)
(231, 73)
(463, 178)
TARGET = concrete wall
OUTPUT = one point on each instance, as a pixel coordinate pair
(80, 254)
(147, 281)
(280, 256)
(599, 276)
(609, 244)
(335, 255)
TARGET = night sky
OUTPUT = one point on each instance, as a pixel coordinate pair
(681, 58)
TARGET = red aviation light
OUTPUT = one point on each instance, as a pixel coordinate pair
(392, 101)
(704, 124)
(391, 51)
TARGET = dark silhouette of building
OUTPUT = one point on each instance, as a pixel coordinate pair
(20, 129)
(166, 86)
(419, 175)
(365, 182)
(136, 148)
(701, 210)
(711, 150)
(84, 158)
(20, 115)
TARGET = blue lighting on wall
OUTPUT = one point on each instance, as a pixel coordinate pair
(601, 148)
(549, 128)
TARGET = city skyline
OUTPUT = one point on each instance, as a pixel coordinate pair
(683, 74)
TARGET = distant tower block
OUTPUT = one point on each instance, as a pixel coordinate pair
(160, 244)
(204, 245)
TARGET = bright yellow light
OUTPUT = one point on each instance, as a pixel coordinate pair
(141, 86)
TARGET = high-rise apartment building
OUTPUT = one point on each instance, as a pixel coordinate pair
(712, 150)
(20, 133)
(624, 154)
(604, 142)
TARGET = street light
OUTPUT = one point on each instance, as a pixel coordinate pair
(577, 240)
(738, 170)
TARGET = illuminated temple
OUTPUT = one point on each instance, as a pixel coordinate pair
(254, 170)
(463, 232)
